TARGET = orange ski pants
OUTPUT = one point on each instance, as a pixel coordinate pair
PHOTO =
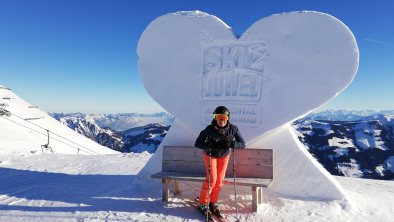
(216, 174)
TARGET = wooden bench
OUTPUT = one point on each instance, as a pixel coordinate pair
(254, 168)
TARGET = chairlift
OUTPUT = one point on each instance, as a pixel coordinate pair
(4, 112)
(46, 146)
(33, 118)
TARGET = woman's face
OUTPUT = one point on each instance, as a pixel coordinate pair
(221, 119)
(222, 123)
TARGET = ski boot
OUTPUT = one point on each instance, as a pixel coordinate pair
(204, 209)
(214, 208)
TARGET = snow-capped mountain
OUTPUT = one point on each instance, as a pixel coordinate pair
(144, 138)
(89, 128)
(346, 115)
(357, 148)
(134, 139)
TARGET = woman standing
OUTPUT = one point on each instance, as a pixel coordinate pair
(216, 140)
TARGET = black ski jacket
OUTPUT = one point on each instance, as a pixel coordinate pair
(217, 141)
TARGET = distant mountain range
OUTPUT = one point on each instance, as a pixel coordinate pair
(125, 132)
(119, 122)
(346, 143)
(346, 115)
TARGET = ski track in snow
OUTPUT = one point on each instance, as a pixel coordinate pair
(63, 187)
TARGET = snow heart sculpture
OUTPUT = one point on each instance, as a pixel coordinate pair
(282, 68)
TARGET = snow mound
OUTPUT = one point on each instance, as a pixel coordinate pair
(25, 128)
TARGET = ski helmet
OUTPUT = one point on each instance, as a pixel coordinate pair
(222, 110)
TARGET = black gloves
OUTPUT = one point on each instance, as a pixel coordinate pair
(229, 141)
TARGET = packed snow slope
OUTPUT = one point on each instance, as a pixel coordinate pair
(64, 187)
(24, 128)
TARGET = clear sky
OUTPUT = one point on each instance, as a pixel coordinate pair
(80, 56)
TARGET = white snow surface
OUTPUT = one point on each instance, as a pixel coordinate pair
(368, 138)
(341, 142)
(351, 169)
(66, 187)
(25, 130)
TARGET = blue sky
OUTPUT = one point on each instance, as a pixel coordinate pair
(80, 56)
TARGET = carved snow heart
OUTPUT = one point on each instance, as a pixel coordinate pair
(283, 67)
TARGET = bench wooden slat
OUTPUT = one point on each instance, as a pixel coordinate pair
(199, 178)
(182, 153)
(252, 156)
(184, 166)
(242, 170)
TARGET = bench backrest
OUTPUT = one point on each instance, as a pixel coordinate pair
(250, 162)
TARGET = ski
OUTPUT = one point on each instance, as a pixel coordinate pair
(195, 204)
(219, 217)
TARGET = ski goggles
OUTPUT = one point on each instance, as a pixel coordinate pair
(222, 117)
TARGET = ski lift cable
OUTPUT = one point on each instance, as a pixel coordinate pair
(46, 135)
(55, 133)
(79, 148)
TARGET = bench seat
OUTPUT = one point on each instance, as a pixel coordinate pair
(258, 182)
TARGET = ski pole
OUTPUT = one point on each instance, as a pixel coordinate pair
(235, 186)
(209, 180)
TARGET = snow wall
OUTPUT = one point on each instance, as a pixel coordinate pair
(282, 68)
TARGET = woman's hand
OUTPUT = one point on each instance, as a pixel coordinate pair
(229, 141)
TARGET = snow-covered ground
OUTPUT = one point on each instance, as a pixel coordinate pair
(26, 128)
(64, 187)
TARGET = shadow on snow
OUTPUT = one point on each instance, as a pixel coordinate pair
(82, 193)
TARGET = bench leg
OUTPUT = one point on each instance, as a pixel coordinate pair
(254, 199)
(260, 195)
(166, 189)
(257, 197)
(175, 187)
